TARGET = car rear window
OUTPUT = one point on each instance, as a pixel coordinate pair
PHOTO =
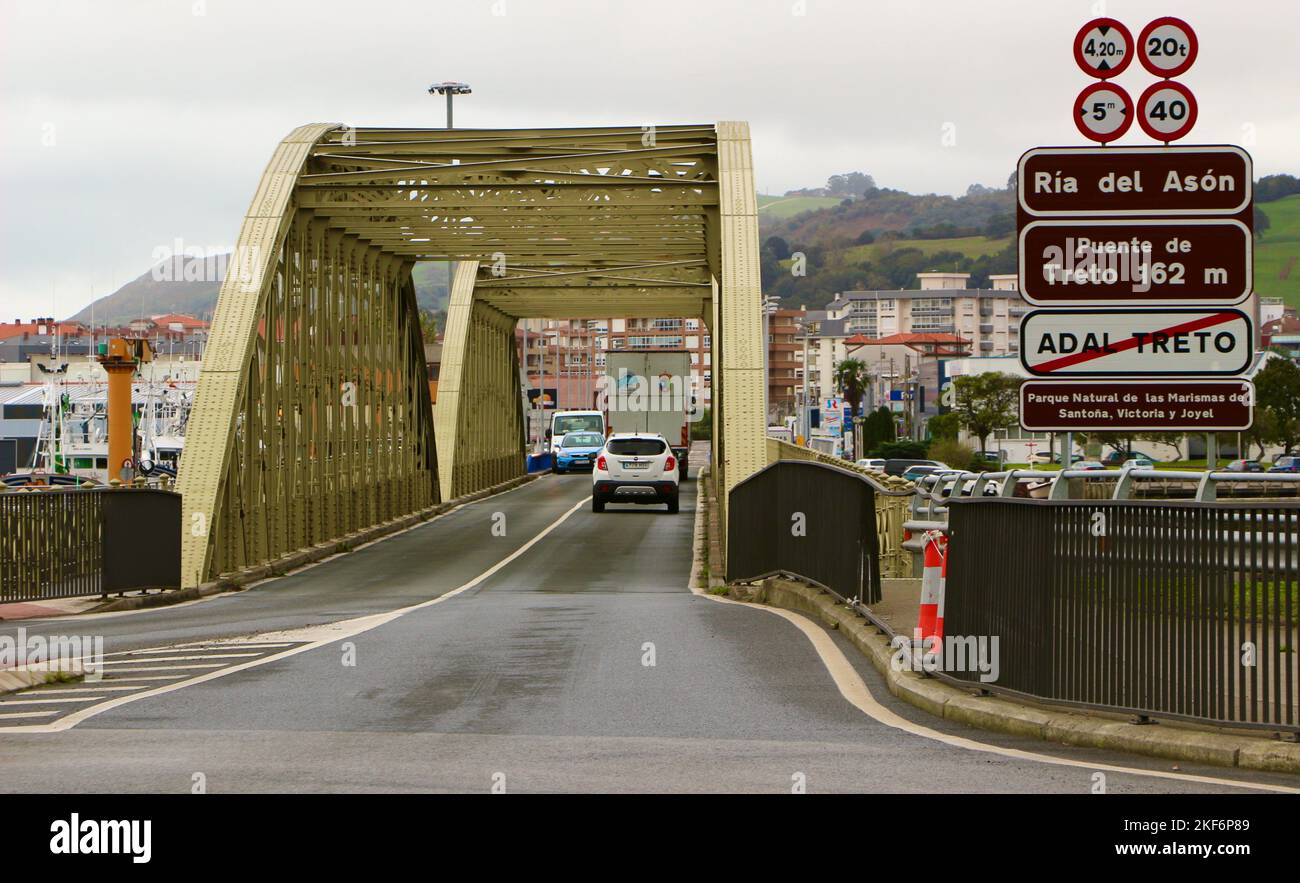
(583, 440)
(635, 447)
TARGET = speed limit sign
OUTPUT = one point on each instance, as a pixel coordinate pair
(1167, 110)
(1167, 47)
(1103, 112)
(1103, 48)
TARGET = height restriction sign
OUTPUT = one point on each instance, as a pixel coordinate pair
(1103, 48)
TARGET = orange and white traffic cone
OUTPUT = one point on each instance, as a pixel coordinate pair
(931, 587)
(943, 591)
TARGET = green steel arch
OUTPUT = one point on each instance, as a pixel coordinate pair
(312, 417)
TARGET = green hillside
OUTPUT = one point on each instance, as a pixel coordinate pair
(782, 207)
(1277, 251)
(969, 246)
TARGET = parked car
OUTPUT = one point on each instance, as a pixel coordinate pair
(1137, 463)
(1090, 465)
(577, 450)
(1043, 457)
(912, 473)
(871, 463)
(1285, 464)
(1245, 466)
(634, 467)
(1115, 458)
(899, 466)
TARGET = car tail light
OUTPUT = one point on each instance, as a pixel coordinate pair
(670, 464)
(600, 463)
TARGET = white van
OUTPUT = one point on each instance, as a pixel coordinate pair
(571, 421)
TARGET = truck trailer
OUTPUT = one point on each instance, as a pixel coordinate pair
(651, 392)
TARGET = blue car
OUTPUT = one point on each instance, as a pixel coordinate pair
(577, 451)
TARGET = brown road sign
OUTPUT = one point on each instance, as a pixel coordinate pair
(1136, 405)
(1135, 262)
(1164, 181)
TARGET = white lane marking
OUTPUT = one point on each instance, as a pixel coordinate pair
(115, 679)
(146, 658)
(25, 727)
(328, 634)
(854, 689)
(50, 690)
(241, 645)
(167, 667)
(23, 700)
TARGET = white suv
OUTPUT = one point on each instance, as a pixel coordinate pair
(634, 467)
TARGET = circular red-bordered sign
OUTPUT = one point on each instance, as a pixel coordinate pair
(1167, 110)
(1103, 112)
(1103, 48)
(1167, 47)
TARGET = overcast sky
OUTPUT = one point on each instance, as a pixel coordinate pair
(126, 125)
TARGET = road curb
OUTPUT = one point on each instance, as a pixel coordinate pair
(1001, 715)
(14, 679)
(233, 582)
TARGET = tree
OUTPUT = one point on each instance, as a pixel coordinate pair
(1262, 222)
(1277, 392)
(986, 402)
(877, 429)
(851, 378)
(1173, 439)
(943, 427)
(778, 247)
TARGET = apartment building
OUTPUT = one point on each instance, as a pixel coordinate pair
(784, 362)
(566, 357)
(943, 304)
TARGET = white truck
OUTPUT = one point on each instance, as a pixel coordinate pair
(651, 392)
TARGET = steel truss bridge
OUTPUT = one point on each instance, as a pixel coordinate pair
(312, 417)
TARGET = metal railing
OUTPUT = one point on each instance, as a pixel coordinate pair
(51, 543)
(929, 506)
(893, 496)
(67, 542)
(810, 520)
(1172, 608)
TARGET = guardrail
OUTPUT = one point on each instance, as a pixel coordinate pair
(810, 520)
(892, 493)
(66, 542)
(929, 506)
(1172, 608)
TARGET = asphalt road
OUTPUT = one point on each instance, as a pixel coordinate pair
(583, 662)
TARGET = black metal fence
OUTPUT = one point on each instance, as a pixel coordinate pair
(808, 519)
(1184, 610)
(69, 542)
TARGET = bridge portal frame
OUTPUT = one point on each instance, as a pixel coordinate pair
(312, 418)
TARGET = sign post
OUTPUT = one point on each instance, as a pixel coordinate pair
(1139, 258)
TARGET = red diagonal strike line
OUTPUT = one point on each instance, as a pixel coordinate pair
(1194, 325)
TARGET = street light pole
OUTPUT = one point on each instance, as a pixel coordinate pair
(450, 89)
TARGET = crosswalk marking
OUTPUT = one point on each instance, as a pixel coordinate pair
(176, 658)
(170, 667)
(12, 714)
(24, 700)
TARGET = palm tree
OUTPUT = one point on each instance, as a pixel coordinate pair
(851, 378)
